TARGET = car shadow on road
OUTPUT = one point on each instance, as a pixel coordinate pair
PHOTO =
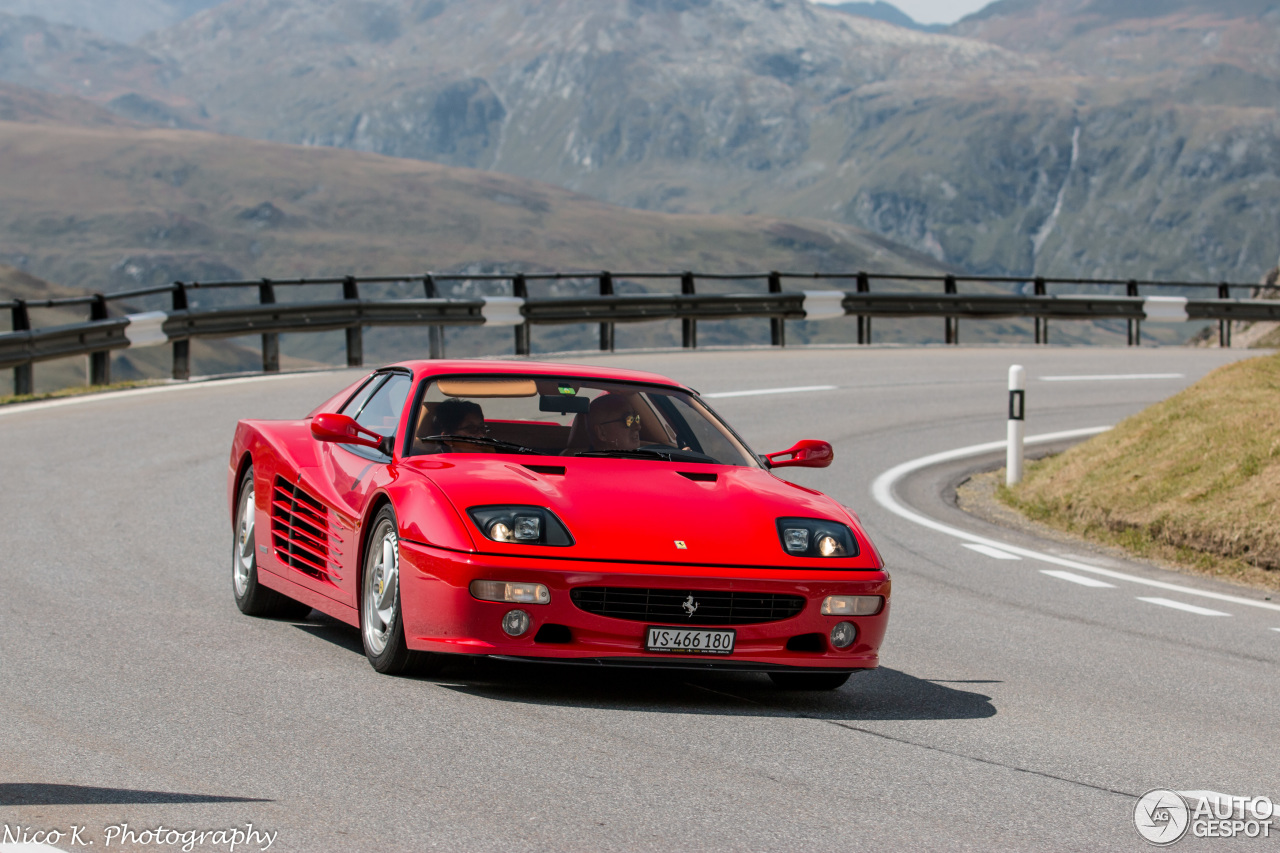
(880, 694)
(42, 794)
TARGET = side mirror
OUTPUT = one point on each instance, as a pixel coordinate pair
(342, 429)
(809, 453)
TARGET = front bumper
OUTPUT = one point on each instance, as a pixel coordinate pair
(440, 614)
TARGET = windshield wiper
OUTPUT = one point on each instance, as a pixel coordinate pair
(670, 454)
(481, 439)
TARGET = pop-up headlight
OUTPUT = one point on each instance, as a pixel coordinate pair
(520, 525)
(816, 537)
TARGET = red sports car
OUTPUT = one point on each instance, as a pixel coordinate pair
(548, 512)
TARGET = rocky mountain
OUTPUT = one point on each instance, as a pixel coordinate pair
(887, 12)
(119, 20)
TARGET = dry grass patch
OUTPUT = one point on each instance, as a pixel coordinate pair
(1194, 480)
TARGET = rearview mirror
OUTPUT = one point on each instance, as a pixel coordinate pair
(342, 429)
(809, 453)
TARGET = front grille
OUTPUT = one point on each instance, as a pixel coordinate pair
(300, 532)
(668, 605)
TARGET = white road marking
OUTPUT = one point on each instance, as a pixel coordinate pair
(1080, 579)
(1112, 377)
(29, 847)
(994, 553)
(798, 389)
(1275, 629)
(882, 491)
(1189, 608)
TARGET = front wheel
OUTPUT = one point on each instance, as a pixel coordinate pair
(809, 680)
(381, 622)
(253, 598)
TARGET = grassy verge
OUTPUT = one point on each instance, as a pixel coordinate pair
(1193, 481)
(76, 391)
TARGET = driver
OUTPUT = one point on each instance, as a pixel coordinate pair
(455, 416)
(612, 423)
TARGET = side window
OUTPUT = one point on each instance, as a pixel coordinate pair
(356, 403)
(381, 411)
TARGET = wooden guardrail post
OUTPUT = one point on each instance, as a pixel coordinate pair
(435, 334)
(1135, 326)
(1224, 326)
(606, 329)
(520, 290)
(355, 334)
(953, 323)
(22, 374)
(688, 327)
(864, 322)
(181, 348)
(777, 325)
(99, 362)
(1042, 323)
(270, 340)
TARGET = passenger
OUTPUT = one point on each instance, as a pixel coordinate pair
(612, 423)
(460, 417)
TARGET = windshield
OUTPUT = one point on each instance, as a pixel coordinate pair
(570, 417)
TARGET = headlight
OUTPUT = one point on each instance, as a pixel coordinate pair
(526, 593)
(815, 537)
(520, 525)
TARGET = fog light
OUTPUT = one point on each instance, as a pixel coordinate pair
(524, 593)
(516, 622)
(796, 539)
(852, 605)
(528, 527)
(842, 635)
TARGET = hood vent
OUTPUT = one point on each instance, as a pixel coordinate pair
(301, 533)
(557, 470)
(697, 476)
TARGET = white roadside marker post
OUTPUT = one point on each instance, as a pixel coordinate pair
(1017, 424)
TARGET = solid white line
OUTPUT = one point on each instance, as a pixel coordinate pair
(29, 847)
(39, 405)
(1178, 605)
(882, 491)
(1275, 629)
(1080, 579)
(1113, 377)
(798, 389)
(994, 553)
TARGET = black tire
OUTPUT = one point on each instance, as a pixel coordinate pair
(382, 627)
(251, 597)
(809, 680)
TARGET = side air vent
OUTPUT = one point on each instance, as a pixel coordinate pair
(301, 532)
(697, 476)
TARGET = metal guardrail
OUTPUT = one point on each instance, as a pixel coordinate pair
(102, 333)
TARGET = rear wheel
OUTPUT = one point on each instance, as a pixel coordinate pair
(808, 680)
(253, 598)
(381, 624)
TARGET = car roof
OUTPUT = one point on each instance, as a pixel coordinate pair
(444, 367)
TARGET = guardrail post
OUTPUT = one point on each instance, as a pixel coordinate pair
(270, 340)
(606, 329)
(182, 348)
(864, 321)
(99, 362)
(1135, 326)
(22, 374)
(953, 323)
(688, 327)
(520, 289)
(777, 325)
(435, 334)
(1224, 326)
(355, 334)
(1042, 323)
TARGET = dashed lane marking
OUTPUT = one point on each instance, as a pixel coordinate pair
(1080, 579)
(993, 553)
(1112, 377)
(1178, 605)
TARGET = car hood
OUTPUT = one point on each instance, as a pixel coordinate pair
(643, 511)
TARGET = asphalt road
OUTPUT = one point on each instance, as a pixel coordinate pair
(1014, 710)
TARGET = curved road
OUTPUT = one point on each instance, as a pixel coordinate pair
(1014, 709)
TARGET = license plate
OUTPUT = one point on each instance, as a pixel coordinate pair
(689, 641)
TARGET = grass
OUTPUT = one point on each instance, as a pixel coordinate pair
(1193, 481)
(76, 391)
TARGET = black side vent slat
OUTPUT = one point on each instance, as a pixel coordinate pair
(716, 607)
(697, 476)
(557, 470)
(300, 530)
